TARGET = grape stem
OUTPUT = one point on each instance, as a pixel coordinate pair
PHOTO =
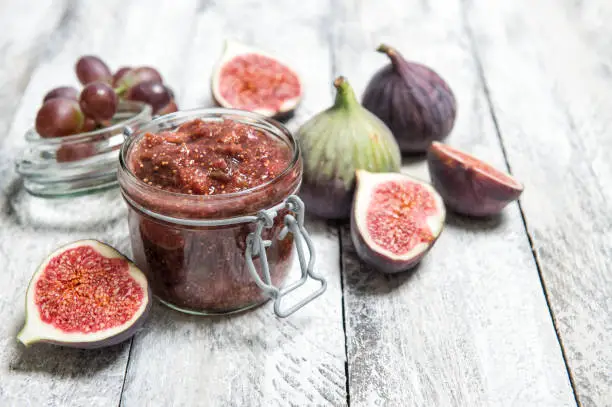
(119, 90)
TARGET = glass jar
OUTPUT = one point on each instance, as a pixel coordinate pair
(81, 163)
(223, 253)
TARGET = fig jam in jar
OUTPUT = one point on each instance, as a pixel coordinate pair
(212, 214)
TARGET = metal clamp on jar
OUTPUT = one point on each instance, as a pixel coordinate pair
(256, 246)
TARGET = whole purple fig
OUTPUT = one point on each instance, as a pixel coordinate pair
(412, 100)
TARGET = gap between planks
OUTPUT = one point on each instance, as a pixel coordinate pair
(333, 73)
(125, 372)
(487, 94)
(346, 354)
(487, 385)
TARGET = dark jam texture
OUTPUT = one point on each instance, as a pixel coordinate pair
(203, 269)
(209, 158)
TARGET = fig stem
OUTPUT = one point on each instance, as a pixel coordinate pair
(385, 49)
(394, 56)
(345, 96)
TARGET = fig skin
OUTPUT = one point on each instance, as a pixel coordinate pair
(412, 100)
(328, 199)
(113, 340)
(33, 323)
(465, 189)
(389, 264)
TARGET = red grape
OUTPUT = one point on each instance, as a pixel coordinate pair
(90, 69)
(153, 93)
(138, 75)
(169, 108)
(59, 117)
(74, 152)
(66, 92)
(89, 125)
(99, 101)
(120, 74)
(170, 92)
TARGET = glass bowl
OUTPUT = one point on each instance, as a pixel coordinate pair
(79, 164)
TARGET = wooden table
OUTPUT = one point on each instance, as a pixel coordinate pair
(515, 311)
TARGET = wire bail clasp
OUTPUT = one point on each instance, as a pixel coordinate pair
(256, 246)
(127, 132)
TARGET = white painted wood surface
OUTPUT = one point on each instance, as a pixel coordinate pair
(32, 227)
(470, 327)
(555, 125)
(253, 359)
(31, 22)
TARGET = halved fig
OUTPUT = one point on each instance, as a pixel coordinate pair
(395, 220)
(250, 79)
(467, 184)
(85, 295)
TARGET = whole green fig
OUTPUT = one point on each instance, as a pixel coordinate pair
(334, 144)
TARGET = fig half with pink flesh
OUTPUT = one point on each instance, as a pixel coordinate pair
(395, 221)
(248, 78)
(467, 184)
(85, 295)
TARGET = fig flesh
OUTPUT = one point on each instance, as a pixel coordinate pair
(396, 219)
(412, 100)
(251, 79)
(85, 295)
(467, 184)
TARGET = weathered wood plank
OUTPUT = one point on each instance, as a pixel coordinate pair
(553, 107)
(470, 326)
(252, 359)
(119, 32)
(26, 26)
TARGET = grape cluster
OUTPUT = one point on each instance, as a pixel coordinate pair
(65, 111)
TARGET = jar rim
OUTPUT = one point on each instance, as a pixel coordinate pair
(272, 126)
(145, 110)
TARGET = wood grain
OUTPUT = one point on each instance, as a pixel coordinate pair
(32, 227)
(554, 124)
(30, 24)
(253, 359)
(470, 326)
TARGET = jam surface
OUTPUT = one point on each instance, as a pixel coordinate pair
(209, 158)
